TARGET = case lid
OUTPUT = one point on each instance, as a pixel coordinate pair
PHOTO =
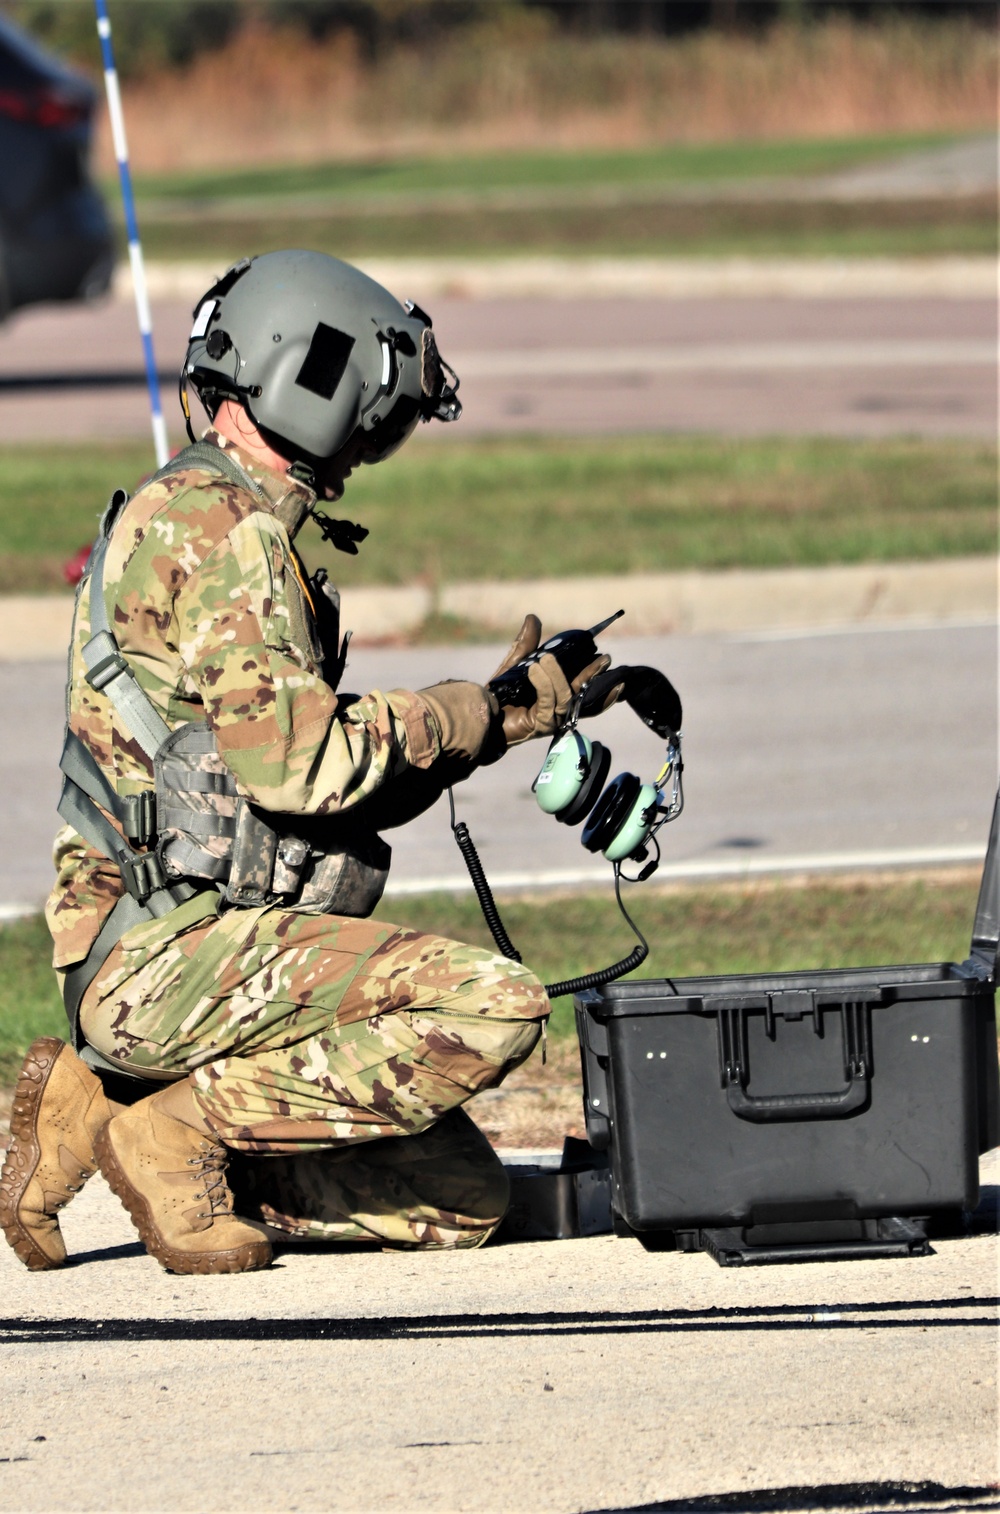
(986, 930)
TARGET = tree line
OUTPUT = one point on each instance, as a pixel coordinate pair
(154, 34)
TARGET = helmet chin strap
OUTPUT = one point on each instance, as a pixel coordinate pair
(182, 391)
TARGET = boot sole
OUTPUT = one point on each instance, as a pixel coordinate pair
(248, 1258)
(25, 1153)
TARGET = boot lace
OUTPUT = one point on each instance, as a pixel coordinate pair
(71, 1188)
(212, 1161)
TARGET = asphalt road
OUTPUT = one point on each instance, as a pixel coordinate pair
(862, 367)
(863, 744)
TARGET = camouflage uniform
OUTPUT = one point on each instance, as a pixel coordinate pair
(303, 1034)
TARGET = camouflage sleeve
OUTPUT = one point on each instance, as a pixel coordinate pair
(86, 889)
(245, 639)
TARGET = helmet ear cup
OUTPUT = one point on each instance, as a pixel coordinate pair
(594, 780)
(610, 812)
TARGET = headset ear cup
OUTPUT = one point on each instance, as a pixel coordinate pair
(564, 770)
(610, 811)
(597, 773)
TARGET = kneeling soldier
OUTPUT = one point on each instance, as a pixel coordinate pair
(222, 854)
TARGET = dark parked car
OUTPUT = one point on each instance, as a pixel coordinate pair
(56, 242)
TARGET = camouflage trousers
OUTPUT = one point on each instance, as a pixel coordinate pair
(443, 1187)
(337, 1050)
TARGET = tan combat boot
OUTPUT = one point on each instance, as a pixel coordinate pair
(168, 1167)
(59, 1106)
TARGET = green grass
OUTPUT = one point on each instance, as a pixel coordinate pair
(714, 229)
(696, 931)
(766, 928)
(30, 1005)
(450, 511)
(465, 226)
(677, 163)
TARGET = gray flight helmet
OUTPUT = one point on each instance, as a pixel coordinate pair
(317, 353)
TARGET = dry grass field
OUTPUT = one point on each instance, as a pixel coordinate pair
(514, 82)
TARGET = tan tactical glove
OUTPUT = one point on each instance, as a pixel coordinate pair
(464, 714)
(524, 643)
(553, 691)
(553, 696)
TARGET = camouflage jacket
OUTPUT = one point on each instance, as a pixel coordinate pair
(208, 602)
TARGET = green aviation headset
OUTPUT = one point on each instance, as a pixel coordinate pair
(623, 818)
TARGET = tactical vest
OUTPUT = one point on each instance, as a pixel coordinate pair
(192, 830)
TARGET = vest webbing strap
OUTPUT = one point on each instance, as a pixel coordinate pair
(107, 669)
(86, 790)
(79, 767)
(108, 672)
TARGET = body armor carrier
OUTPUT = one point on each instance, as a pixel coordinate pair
(193, 830)
(202, 828)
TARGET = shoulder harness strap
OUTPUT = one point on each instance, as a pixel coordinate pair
(86, 791)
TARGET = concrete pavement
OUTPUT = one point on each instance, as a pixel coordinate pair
(960, 590)
(546, 1376)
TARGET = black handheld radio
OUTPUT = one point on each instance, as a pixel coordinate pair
(573, 650)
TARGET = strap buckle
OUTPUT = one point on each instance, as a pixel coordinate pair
(142, 875)
(109, 667)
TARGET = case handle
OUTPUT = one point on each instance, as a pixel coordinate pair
(765, 1109)
(799, 1106)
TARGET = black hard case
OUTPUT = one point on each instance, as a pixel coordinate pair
(784, 1099)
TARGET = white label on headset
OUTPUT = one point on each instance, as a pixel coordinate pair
(204, 314)
(543, 777)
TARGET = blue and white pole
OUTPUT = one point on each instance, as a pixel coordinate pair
(132, 229)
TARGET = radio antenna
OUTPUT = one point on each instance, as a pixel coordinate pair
(602, 625)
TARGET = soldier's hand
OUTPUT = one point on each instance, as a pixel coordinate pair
(553, 695)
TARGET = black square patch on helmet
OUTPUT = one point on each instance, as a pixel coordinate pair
(325, 361)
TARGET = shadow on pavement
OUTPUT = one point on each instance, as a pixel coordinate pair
(919, 1314)
(914, 1497)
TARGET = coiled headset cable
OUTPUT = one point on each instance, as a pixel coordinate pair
(484, 893)
(506, 947)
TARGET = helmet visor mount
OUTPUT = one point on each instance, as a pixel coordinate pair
(438, 400)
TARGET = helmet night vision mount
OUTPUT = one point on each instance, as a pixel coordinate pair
(318, 354)
(623, 819)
